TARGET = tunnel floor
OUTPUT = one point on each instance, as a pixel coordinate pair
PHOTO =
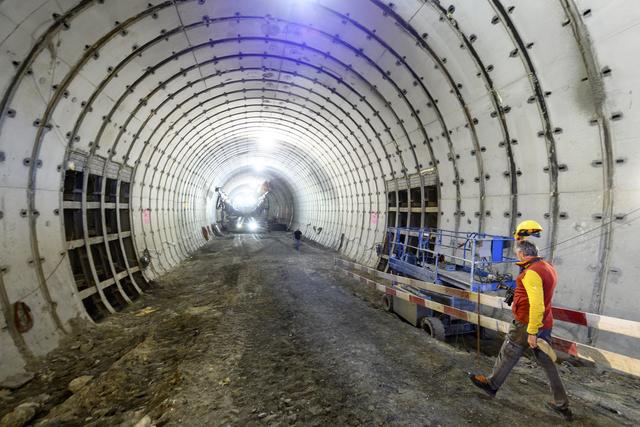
(249, 332)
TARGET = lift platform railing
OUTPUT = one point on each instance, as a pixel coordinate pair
(463, 259)
(619, 362)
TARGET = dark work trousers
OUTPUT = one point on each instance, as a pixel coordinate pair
(297, 244)
(514, 347)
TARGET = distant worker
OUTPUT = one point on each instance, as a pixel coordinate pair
(531, 327)
(297, 235)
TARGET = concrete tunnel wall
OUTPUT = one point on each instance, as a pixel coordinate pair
(119, 117)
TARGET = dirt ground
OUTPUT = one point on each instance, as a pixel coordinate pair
(250, 332)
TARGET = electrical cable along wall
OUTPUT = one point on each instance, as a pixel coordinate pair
(118, 119)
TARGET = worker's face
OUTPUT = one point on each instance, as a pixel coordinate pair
(520, 255)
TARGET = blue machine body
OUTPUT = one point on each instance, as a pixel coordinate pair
(472, 256)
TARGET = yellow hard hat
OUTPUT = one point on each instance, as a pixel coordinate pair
(527, 228)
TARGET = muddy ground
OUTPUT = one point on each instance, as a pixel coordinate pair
(250, 332)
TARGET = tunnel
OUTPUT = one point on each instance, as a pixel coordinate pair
(121, 119)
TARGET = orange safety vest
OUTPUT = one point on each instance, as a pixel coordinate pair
(534, 270)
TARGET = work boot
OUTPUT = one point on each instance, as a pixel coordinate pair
(562, 410)
(484, 383)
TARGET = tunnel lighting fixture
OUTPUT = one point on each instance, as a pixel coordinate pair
(266, 141)
(427, 171)
(253, 225)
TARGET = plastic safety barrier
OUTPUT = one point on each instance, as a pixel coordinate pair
(606, 358)
(616, 325)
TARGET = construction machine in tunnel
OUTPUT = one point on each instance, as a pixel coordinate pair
(121, 122)
(246, 212)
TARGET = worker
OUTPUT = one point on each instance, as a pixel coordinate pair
(531, 327)
(297, 236)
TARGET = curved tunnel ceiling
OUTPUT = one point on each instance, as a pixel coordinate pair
(520, 109)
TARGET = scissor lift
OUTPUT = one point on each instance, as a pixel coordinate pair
(462, 260)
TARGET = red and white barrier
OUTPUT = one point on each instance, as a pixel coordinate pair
(485, 321)
(607, 358)
(616, 325)
(488, 300)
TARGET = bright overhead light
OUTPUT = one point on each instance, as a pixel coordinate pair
(266, 140)
(253, 225)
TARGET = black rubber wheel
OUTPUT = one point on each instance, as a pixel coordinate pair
(434, 327)
(387, 303)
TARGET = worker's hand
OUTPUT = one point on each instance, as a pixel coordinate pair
(533, 341)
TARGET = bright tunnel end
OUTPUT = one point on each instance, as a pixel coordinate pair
(244, 201)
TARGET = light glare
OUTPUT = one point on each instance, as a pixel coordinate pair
(244, 201)
(266, 140)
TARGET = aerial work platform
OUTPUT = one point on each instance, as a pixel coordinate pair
(463, 260)
(466, 260)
